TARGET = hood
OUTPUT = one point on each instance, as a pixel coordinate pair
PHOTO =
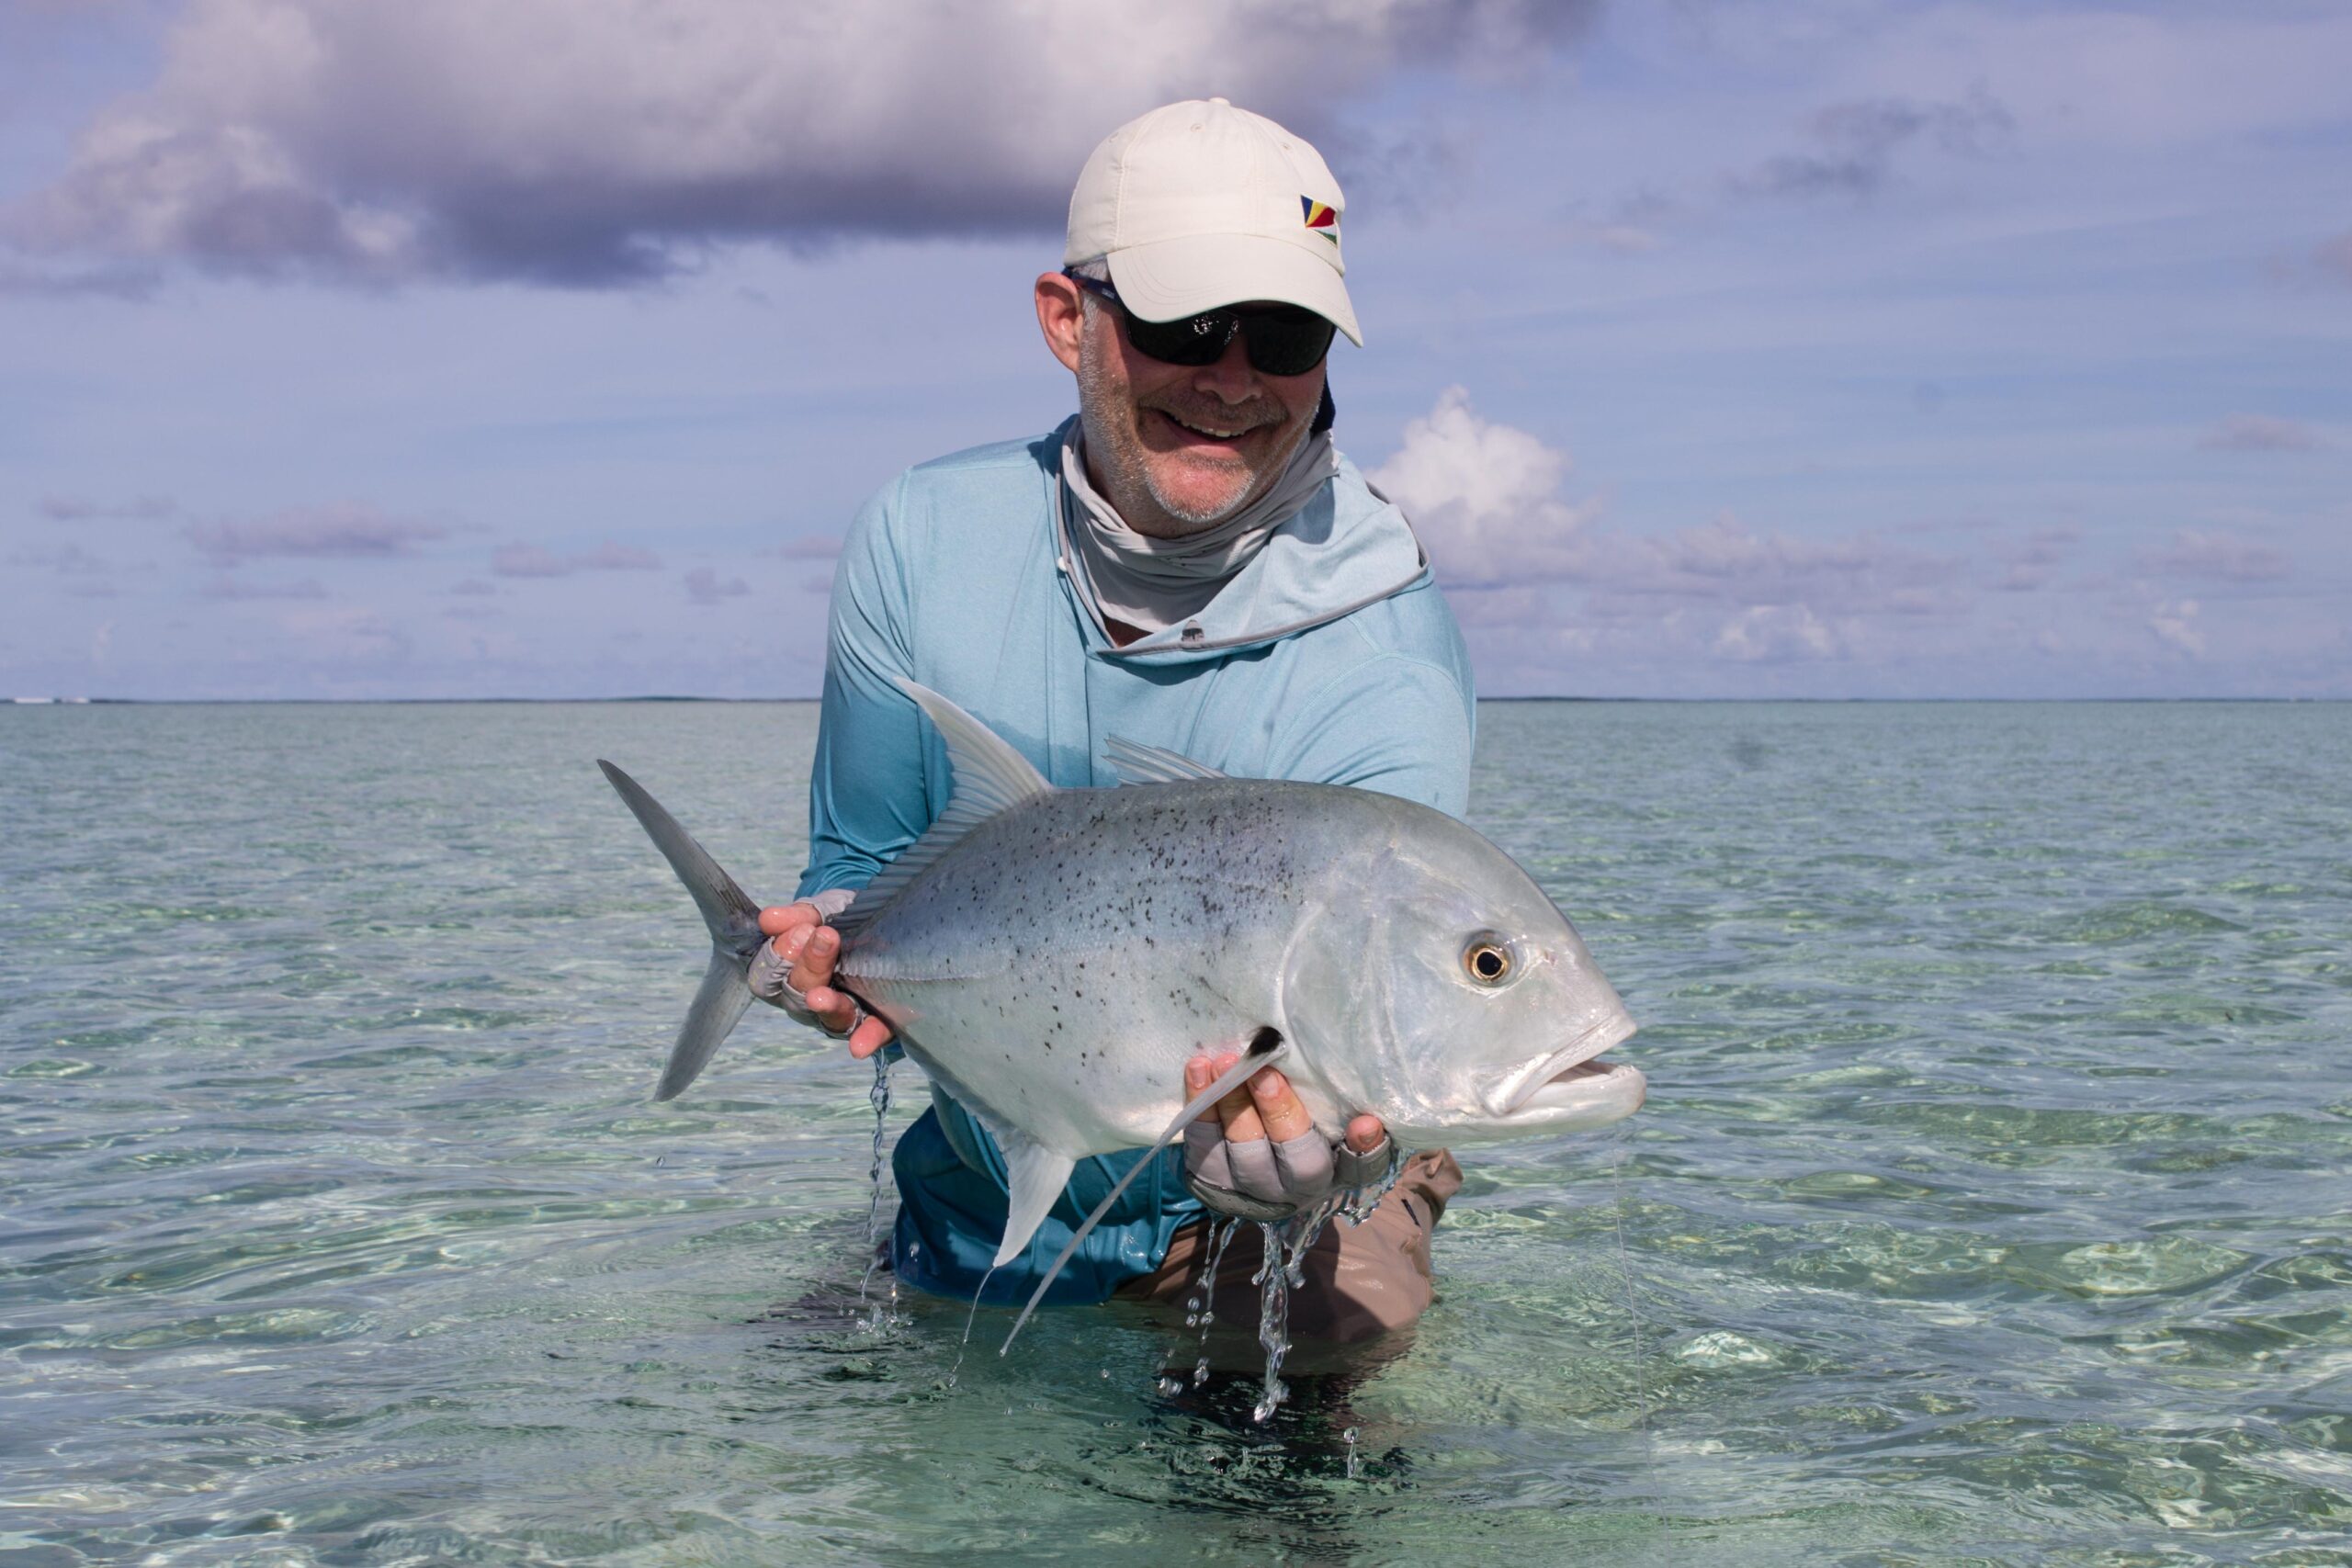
(1347, 547)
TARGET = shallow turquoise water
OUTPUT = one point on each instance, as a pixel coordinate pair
(1994, 1201)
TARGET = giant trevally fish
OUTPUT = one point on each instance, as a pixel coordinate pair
(1051, 957)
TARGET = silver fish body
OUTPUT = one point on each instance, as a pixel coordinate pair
(1053, 957)
(1059, 968)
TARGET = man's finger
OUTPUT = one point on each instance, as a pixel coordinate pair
(778, 918)
(1237, 1110)
(1365, 1133)
(814, 966)
(868, 1037)
(1198, 1073)
(1305, 1163)
(836, 1011)
(1255, 1174)
(789, 945)
(1278, 1105)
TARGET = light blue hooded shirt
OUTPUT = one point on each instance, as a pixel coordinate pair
(1330, 657)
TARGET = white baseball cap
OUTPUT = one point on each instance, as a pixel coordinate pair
(1199, 204)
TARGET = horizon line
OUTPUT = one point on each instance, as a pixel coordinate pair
(47, 701)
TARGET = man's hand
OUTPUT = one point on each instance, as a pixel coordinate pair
(1257, 1153)
(795, 971)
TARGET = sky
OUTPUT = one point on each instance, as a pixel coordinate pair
(1716, 348)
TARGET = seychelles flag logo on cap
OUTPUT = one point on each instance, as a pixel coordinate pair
(1324, 220)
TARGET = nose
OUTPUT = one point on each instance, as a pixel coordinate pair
(1230, 379)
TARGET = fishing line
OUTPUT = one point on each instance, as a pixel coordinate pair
(1620, 1147)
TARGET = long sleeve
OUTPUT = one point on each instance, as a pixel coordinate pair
(1395, 724)
(868, 799)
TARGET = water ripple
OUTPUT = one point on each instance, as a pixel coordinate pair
(1992, 1204)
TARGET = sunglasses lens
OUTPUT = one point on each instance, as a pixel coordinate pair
(1288, 342)
(1195, 340)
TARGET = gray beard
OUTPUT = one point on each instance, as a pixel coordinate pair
(1107, 416)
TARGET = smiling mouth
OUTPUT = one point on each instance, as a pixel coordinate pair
(1207, 432)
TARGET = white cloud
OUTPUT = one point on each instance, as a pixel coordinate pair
(227, 587)
(346, 530)
(604, 141)
(2335, 257)
(2261, 433)
(2031, 565)
(534, 560)
(704, 586)
(2174, 622)
(1725, 562)
(2218, 555)
(76, 509)
(345, 635)
(1485, 499)
(1775, 634)
(1852, 145)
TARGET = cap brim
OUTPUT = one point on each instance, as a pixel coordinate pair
(1170, 279)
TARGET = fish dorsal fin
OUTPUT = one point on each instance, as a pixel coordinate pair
(991, 777)
(1140, 765)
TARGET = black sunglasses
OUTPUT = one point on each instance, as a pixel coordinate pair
(1281, 340)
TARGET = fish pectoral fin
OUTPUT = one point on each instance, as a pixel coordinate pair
(1036, 1176)
(1140, 765)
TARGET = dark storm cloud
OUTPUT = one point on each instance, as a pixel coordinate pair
(345, 532)
(444, 137)
(1854, 145)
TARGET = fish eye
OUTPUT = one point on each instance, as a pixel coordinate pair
(1486, 960)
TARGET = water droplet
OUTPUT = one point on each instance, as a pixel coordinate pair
(1171, 1387)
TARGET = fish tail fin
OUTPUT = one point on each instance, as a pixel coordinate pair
(734, 922)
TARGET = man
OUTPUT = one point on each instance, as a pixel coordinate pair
(1188, 563)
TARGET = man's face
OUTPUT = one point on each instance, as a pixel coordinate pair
(1179, 448)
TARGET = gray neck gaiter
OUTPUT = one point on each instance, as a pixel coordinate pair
(1152, 584)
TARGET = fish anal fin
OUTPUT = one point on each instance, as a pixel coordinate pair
(1137, 764)
(1036, 1176)
(1266, 1048)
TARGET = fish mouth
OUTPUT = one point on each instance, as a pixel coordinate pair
(1593, 1093)
(1515, 1089)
